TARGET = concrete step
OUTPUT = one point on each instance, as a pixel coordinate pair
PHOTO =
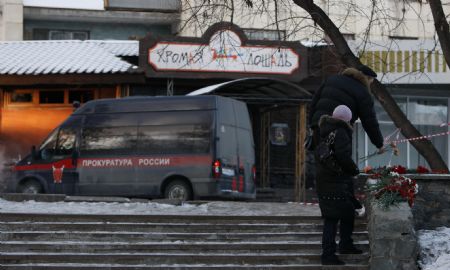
(158, 258)
(310, 247)
(133, 237)
(62, 266)
(165, 227)
(163, 219)
(55, 241)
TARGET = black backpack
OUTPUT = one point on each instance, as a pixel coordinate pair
(325, 153)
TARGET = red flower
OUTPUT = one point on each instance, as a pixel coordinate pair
(399, 169)
(422, 169)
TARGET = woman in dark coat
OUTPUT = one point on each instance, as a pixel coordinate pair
(335, 186)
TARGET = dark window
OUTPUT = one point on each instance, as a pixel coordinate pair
(109, 140)
(18, 96)
(82, 96)
(51, 97)
(174, 139)
(80, 35)
(403, 38)
(40, 34)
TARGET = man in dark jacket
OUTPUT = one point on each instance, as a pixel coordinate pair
(335, 186)
(350, 88)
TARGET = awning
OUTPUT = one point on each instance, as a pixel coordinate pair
(258, 90)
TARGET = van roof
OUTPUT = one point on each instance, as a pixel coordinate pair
(143, 103)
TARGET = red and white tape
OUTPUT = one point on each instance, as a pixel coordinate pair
(422, 137)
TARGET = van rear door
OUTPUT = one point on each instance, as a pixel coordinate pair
(235, 148)
(246, 148)
(227, 146)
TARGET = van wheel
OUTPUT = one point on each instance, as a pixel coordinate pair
(178, 190)
(30, 187)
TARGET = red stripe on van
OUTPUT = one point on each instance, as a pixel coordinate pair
(66, 162)
(121, 162)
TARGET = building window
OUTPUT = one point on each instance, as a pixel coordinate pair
(21, 96)
(81, 96)
(426, 114)
(51, 97)
(403, 38)
(265, 34)
(347, 36)
(54, 34)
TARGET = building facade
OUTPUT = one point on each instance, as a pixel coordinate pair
(87, 19)
(41, 78)
(395, 38)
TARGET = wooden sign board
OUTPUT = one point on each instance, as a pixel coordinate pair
(223, 52)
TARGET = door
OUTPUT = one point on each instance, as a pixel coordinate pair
(107, 155)
(227, 146)
(55, 161)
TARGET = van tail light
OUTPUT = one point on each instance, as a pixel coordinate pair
(254, 173)
(217, 169)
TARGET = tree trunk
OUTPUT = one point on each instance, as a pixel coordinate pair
(442, 28)
(424, 147)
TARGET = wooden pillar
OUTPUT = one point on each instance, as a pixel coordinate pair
(300, 154)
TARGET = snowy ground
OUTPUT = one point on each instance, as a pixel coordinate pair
(434, 244)
(151, 208)
(435, 249)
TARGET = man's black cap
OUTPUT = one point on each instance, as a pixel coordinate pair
(367, 71)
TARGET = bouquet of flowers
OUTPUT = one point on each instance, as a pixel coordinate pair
(388, 187)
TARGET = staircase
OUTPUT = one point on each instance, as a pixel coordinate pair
(55, 241)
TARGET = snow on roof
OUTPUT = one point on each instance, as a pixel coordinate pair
(119, 47)
(71, 4)
(58, 57)
(309, 43)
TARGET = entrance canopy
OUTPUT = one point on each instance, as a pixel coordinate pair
(258, 90)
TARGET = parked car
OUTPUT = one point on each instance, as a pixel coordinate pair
(181, 147)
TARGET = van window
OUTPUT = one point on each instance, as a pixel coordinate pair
(109, 140)
(174, 139)
(59, 144)
(66, 141)
(47, 149)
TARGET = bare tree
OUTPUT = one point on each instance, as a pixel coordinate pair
(442, 27)
(320, 18)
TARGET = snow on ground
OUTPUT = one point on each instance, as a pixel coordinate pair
(77, 4)
(434, 249)
(151, 208)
